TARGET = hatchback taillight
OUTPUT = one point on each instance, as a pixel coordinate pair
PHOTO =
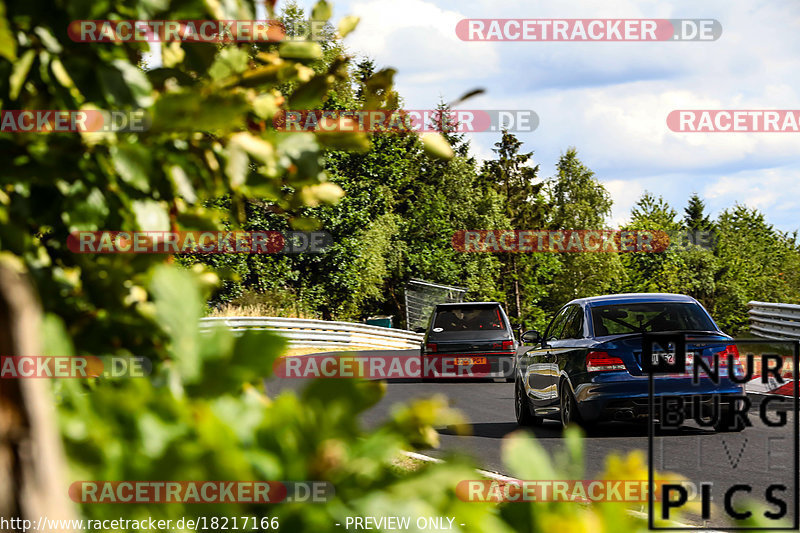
(508, 345)
(430, 347)
(603, 362)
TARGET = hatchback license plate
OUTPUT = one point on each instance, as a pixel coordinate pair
(470, 360)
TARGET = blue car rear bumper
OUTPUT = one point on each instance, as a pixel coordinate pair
(628, 397)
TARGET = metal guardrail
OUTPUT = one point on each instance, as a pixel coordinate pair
(321, 333)
(774, 320)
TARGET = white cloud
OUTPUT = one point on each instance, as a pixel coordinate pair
(419, 39)
(624, 193)
(775, 191)
(610, 100)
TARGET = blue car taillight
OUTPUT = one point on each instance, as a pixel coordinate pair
(603, 362)
(731, 350)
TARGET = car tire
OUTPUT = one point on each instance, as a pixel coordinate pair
(729, 421)
(522, 408)
(568, 407)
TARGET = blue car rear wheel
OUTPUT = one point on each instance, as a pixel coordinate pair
(569, 408)
(522, 408)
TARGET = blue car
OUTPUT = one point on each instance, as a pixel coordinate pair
(587, 367)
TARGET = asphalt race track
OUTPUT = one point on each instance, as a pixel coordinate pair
(758, 456)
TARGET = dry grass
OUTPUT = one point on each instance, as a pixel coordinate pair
(282, 303)
(403, 463)
(257, 309)
(309, 351)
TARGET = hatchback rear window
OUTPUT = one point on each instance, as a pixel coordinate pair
(649, 317)
(468, 318)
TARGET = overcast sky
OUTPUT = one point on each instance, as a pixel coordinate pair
(610, 100)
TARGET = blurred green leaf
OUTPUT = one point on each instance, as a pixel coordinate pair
(322, 10)
(86, 211)
(312, 93)
(136, 81)
(348, 24)
(437, 146)
(172, 54)
(150, 215)
(230, 61)
(20, 73)
(179, 307)
(190, 111)
(306, 50)
(133, 163)
(343, 140)
(49, 41)
(56, 341)
(526, 459)
(8, 44)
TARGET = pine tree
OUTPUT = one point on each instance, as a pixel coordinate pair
(513, 178)
(695, 218)
(516, 181)
(445, 123)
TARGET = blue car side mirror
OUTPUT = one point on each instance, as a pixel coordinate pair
(531, 337)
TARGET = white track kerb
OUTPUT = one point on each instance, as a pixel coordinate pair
(500, 477)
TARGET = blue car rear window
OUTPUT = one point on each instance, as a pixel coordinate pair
(649, 317)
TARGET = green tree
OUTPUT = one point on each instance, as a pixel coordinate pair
(757, 262)
(512, 176)
(445, 201)
(646, 270)
(682, 267)
(445, 123)
(695, 218)
(516, 181)
(429, 200)
(580, 202)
